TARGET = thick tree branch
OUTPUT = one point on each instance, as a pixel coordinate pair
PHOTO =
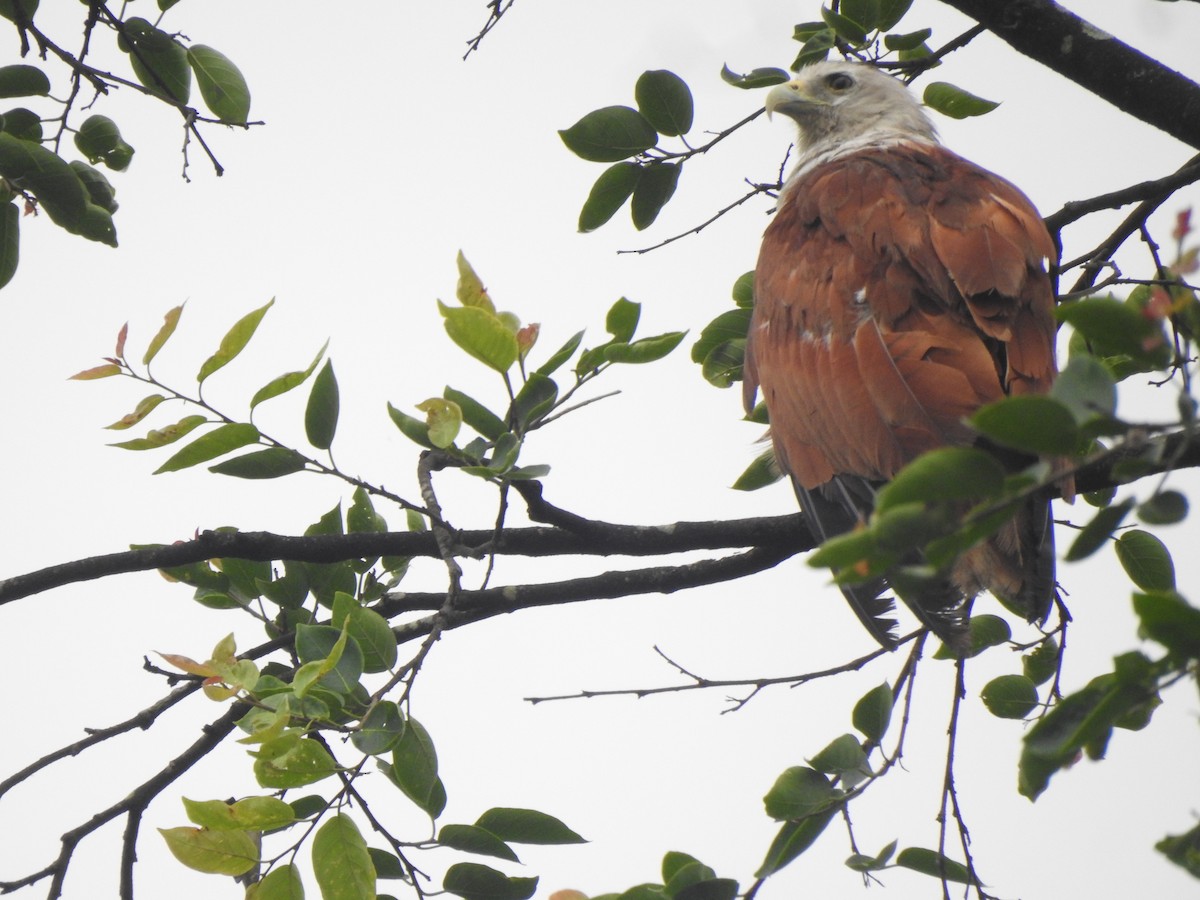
(1127, 78)
(781, 535)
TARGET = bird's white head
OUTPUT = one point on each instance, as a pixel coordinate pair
(841, 106)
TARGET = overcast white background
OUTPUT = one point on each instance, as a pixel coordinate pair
(383, 155)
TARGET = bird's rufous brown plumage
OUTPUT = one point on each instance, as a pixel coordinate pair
(899, 288)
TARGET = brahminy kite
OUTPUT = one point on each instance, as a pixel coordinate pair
(899, 288)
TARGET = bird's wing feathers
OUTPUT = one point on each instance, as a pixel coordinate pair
(897, 291)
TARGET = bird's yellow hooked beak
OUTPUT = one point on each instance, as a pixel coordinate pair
(790, 98)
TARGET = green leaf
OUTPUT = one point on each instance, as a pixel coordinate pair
(286, 382)
(614, 186)
(475, 414)
(707, 889)
(653, 191)
(644, 350)
(11, 9)
(281, 883)
(57, 187)
(731, 325)
(873, 712)
(955, 102)
(1096, 533)
(760, 473)
(983, 631)
(1164, 508)
(1146, 560)
(481, 334)
(665, 100)
(319, 644)
(1183, 850)
(622, 319)
(910, 41)
(99, 139)
(473, 839)
(799, 792)
(249, 813)
(387, 865)
(234, 341)
(158, 60)
(1032, 423)
(272, 462)
(756, 78)
(221, 440)
(374, 637)
(610, 134)
(930, 862)
(891, 12)
(1010, 696)
(526, 826)
(844, 27)
(304, 763)
(844, 757)
(221, 83)
(24, 124)
(215, 852)
(1086, 388)
(170, 322)
(945, 475)
(1171, 621)
(561, 355)
(816, 48)
(340, 861)
(380, 730)
(473, 881)
(864, 12)
(100, 191)
(10, 242)
(415, 769)
(1041, 663)
(535, 399)
(1117, 329)
(443, 419)
(23, 81)
(412, 428)
(793, 839)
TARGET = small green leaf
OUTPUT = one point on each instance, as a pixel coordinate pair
(799, 792)
(340, 861)
(614, 186)
(665, 100)
(644, 350)
(760, 473)
(1164, 508)
(286, 382)
(1146, 560)
(560, 356)
(22, 9)
(411, 427)
(910, 41)
(387, 865)
(844, 757)
(215, 852)
(234, 341)
(59, 191)
(844, 27)
(755, 78)
(473, 881)
(1095, 533)
(622, 319)
(272, 462)
(1183, 850)
(864, 12)
(610, 134)
(1010, 696)
(983, 631)
(473, 839)
(930, 862)
(475, 414)
(303, 763)
(1033, 423)
(946, 474)
(221, 84)
(955, 102)
(793, 839)
(321, 413)
(654, 189)
(10, 242)
(221, 440)
(816, 48)
(158, 60)
(1041, 663)
(100, 191)
(23, 81)
(281, 883)
(443, 419)
(873, 712)
(99, 139)
(162, 437)
(535, 399)
(170, 321)
(1171, 621)
(481, 334)
(340, 657)
(526, 826)
(415, 769)
(1086, 388)
(891, 12)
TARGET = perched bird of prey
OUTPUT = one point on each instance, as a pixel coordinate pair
(899, 288)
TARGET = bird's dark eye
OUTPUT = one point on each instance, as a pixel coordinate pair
(839, 81)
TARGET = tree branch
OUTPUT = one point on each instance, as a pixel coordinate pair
(1127, 78)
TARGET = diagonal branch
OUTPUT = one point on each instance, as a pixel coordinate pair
(1112, 70)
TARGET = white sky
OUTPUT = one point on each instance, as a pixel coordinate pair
(384, 154)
